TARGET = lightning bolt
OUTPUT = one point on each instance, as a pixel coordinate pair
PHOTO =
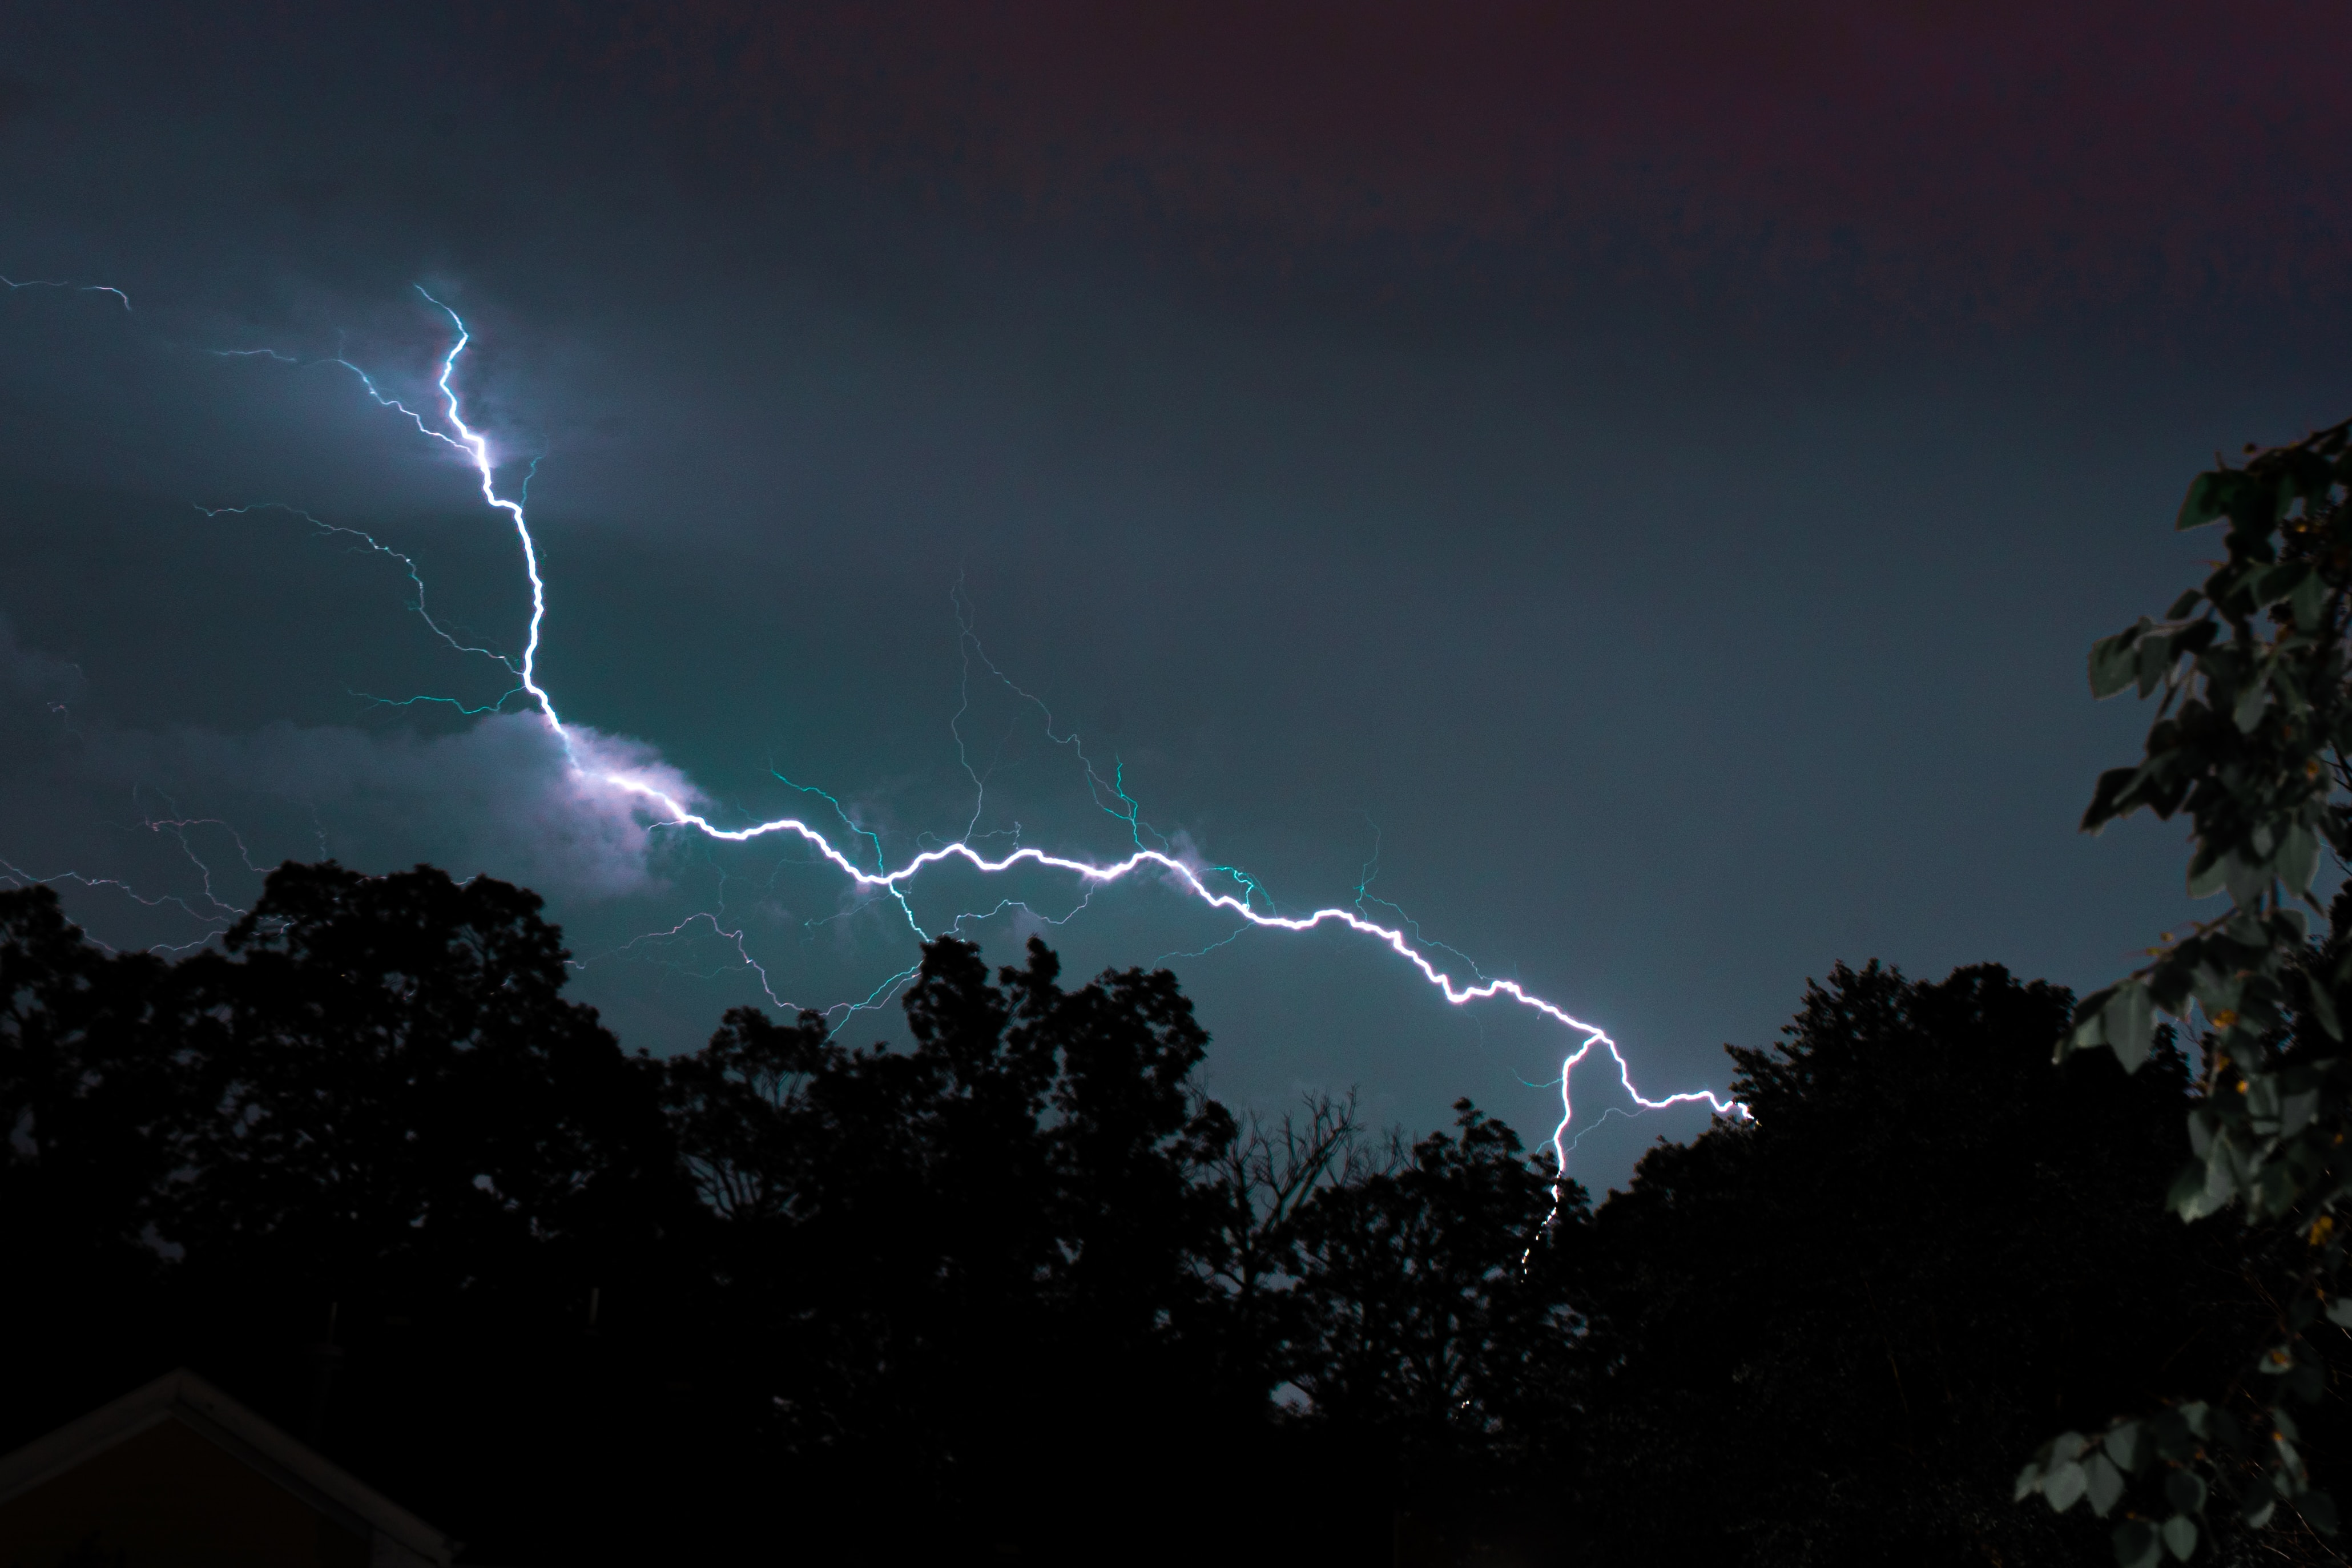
(666, 811)
(370, 544)
(76, 287)
(215, 920)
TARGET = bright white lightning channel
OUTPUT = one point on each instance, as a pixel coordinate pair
(670, 811)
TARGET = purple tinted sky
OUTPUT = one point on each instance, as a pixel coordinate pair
(1998, 162)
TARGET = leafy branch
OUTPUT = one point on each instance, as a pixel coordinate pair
(2251, 741)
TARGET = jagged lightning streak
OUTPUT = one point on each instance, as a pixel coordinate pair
(670, 812)
(416, 579)
(215, 921)
(76, 287)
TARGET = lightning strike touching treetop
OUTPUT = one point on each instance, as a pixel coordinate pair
(664, 805)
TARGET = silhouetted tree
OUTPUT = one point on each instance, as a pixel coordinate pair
(970, 1255)
(1431, 1289)
(397, 1100)
(365, 1151)
(89, 1088)
(1822, 1337)
(1019, 1288)
(1263, 1177)
(1436, 1345)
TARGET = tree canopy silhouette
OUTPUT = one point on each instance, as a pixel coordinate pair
(1017, 1287)
(393, 1096)
(1822, 1336)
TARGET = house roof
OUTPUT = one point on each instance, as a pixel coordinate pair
(184, 1397)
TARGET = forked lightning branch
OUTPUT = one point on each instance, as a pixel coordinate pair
(659, 805)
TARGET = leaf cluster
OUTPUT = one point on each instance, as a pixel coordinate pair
(1823, 1335)
(2252, 743)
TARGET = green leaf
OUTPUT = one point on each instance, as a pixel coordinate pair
(2206, 875)
(2128, 1023)
(2114, 660)
(2310, 600)
(2259, 1502)
(2111, 787)
(2250, 702)
(2128, 1445)
(2107, 1483)
(2339, 1311)
(2296, 1111)
(2201, 1125)
(2180, 1536)
(2262, 1096)
(2154, 657)
(2207, 499)
(2281, 491)
(2298, 858)
(2088, 1030)
(2184, 604)
(2137, 1544)
(2288, 926)
(2280, 581)
(2204, 1187)
(2185, 1490)
(2064, 1485)
(2319, 1509)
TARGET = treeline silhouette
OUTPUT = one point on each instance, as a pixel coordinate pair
(1021, 1291)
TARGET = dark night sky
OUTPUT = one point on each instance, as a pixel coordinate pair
(1650, 472)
